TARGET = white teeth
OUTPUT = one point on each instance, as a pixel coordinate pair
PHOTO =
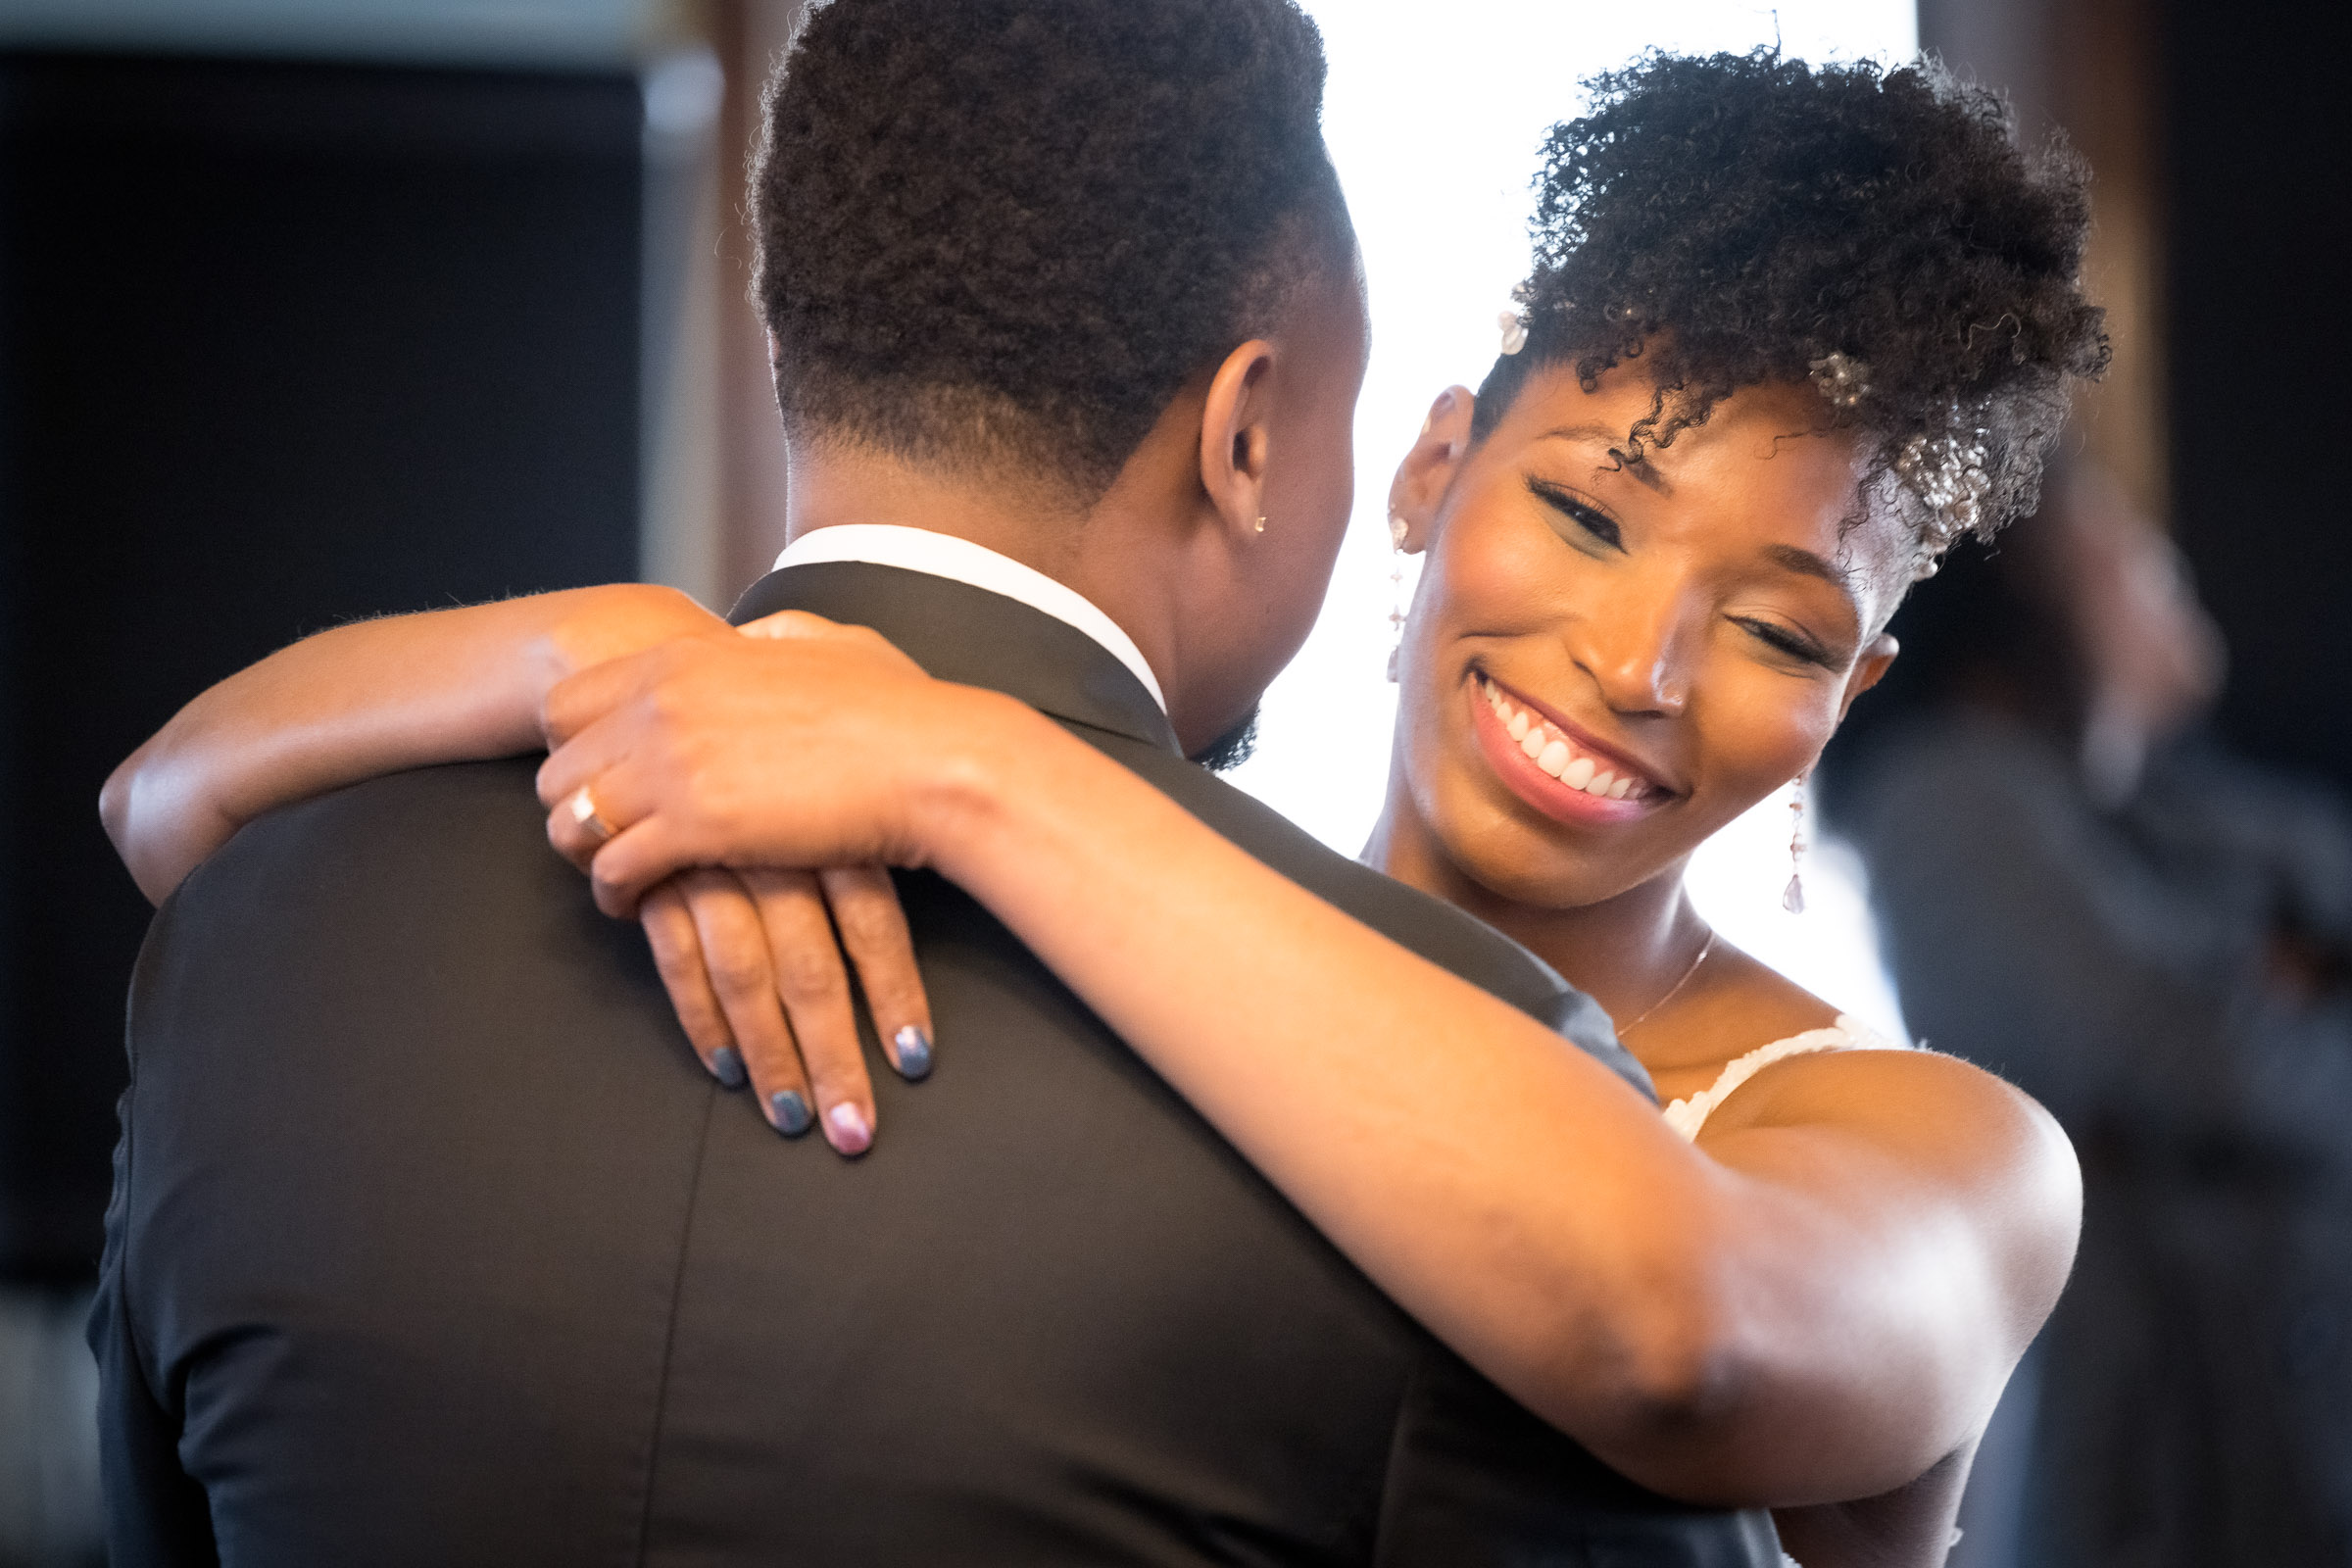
(1555, 755)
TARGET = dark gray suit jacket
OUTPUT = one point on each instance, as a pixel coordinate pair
(431, 1243)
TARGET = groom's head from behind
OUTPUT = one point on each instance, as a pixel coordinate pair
(1085, 264)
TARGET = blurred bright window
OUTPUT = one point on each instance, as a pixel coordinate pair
(1434, 113)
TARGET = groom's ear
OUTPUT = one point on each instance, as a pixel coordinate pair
(1235, 440)
(1428, 468)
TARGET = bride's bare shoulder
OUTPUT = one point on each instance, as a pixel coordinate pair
(1747, 1005)
(1738, 1004)
(1754, 1005)
(1938, 1106)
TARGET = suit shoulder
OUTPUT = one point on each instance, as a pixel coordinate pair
(450, 811)
(427, 869)
(425, 830)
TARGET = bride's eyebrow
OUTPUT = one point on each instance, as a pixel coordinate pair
(1640, 469)
(1805, 564)
(1582, 432)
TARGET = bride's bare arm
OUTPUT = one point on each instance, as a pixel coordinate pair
(750, 962)
(369, 697)
(1821, 1302)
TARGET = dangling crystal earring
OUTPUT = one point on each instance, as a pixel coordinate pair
(1792, 898)
(1396, 532)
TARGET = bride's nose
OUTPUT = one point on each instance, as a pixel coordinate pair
(1634, 650)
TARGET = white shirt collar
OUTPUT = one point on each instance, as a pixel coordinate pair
(942, 555)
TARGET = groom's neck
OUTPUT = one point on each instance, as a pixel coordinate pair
(833, 485)
(1124, 552)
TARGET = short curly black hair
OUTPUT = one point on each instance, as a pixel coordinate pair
(1008, 231)
(1742, 219)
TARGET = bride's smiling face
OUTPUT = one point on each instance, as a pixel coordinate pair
(1606, 662)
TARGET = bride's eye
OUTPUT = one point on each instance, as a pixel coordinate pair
(1780, 640)
(1587, 519)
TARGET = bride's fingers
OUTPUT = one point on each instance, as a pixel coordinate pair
(788, 624)
(593, 794)
(799, 625)
(873, 929)
(578, 701)
(679, 956)
(638, 856)
(814, 982)
(577, 829)
(582, 822)
(581, 759)
(735, 955)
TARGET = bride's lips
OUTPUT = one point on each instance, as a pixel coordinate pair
(1565, 773)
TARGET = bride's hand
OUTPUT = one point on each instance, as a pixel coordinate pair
(819, 746)
(748, 956)
(762, 992)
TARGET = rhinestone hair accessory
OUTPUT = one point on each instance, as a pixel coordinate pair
(1513, 321)
(1843, 381)
(1950, 480)
(1947, 475)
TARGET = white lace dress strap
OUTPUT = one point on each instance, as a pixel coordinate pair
(1848, 1033)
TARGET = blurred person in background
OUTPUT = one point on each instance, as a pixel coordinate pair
(2153, 938)
(48, 1431)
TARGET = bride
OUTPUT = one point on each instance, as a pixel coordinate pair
(1791, 332)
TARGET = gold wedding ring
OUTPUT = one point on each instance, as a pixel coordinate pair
(583, 811)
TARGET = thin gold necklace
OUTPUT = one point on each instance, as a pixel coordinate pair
(1675, 988)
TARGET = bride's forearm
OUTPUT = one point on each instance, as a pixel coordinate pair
(361, 700)
(1817, 1304)
(1506, 1189)
(1800, 1315)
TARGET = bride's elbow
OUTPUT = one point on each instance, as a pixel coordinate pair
(1666, 1369)
(118, 804)
(1681, 1378)
(133, 809)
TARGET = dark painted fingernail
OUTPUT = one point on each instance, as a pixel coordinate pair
(915, 1052)
(726, 1066)
(789, 1112)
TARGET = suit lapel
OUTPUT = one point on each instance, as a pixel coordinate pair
(960, 633)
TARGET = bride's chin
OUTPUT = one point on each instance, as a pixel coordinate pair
(1504, 855)
(1496, 842)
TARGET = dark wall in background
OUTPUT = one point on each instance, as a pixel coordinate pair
(2259, 131)
(281, 345)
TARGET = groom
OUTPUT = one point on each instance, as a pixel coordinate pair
(429, 1240)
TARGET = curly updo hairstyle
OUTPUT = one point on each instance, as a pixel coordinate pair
(1738, 220)
(1006, 232)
